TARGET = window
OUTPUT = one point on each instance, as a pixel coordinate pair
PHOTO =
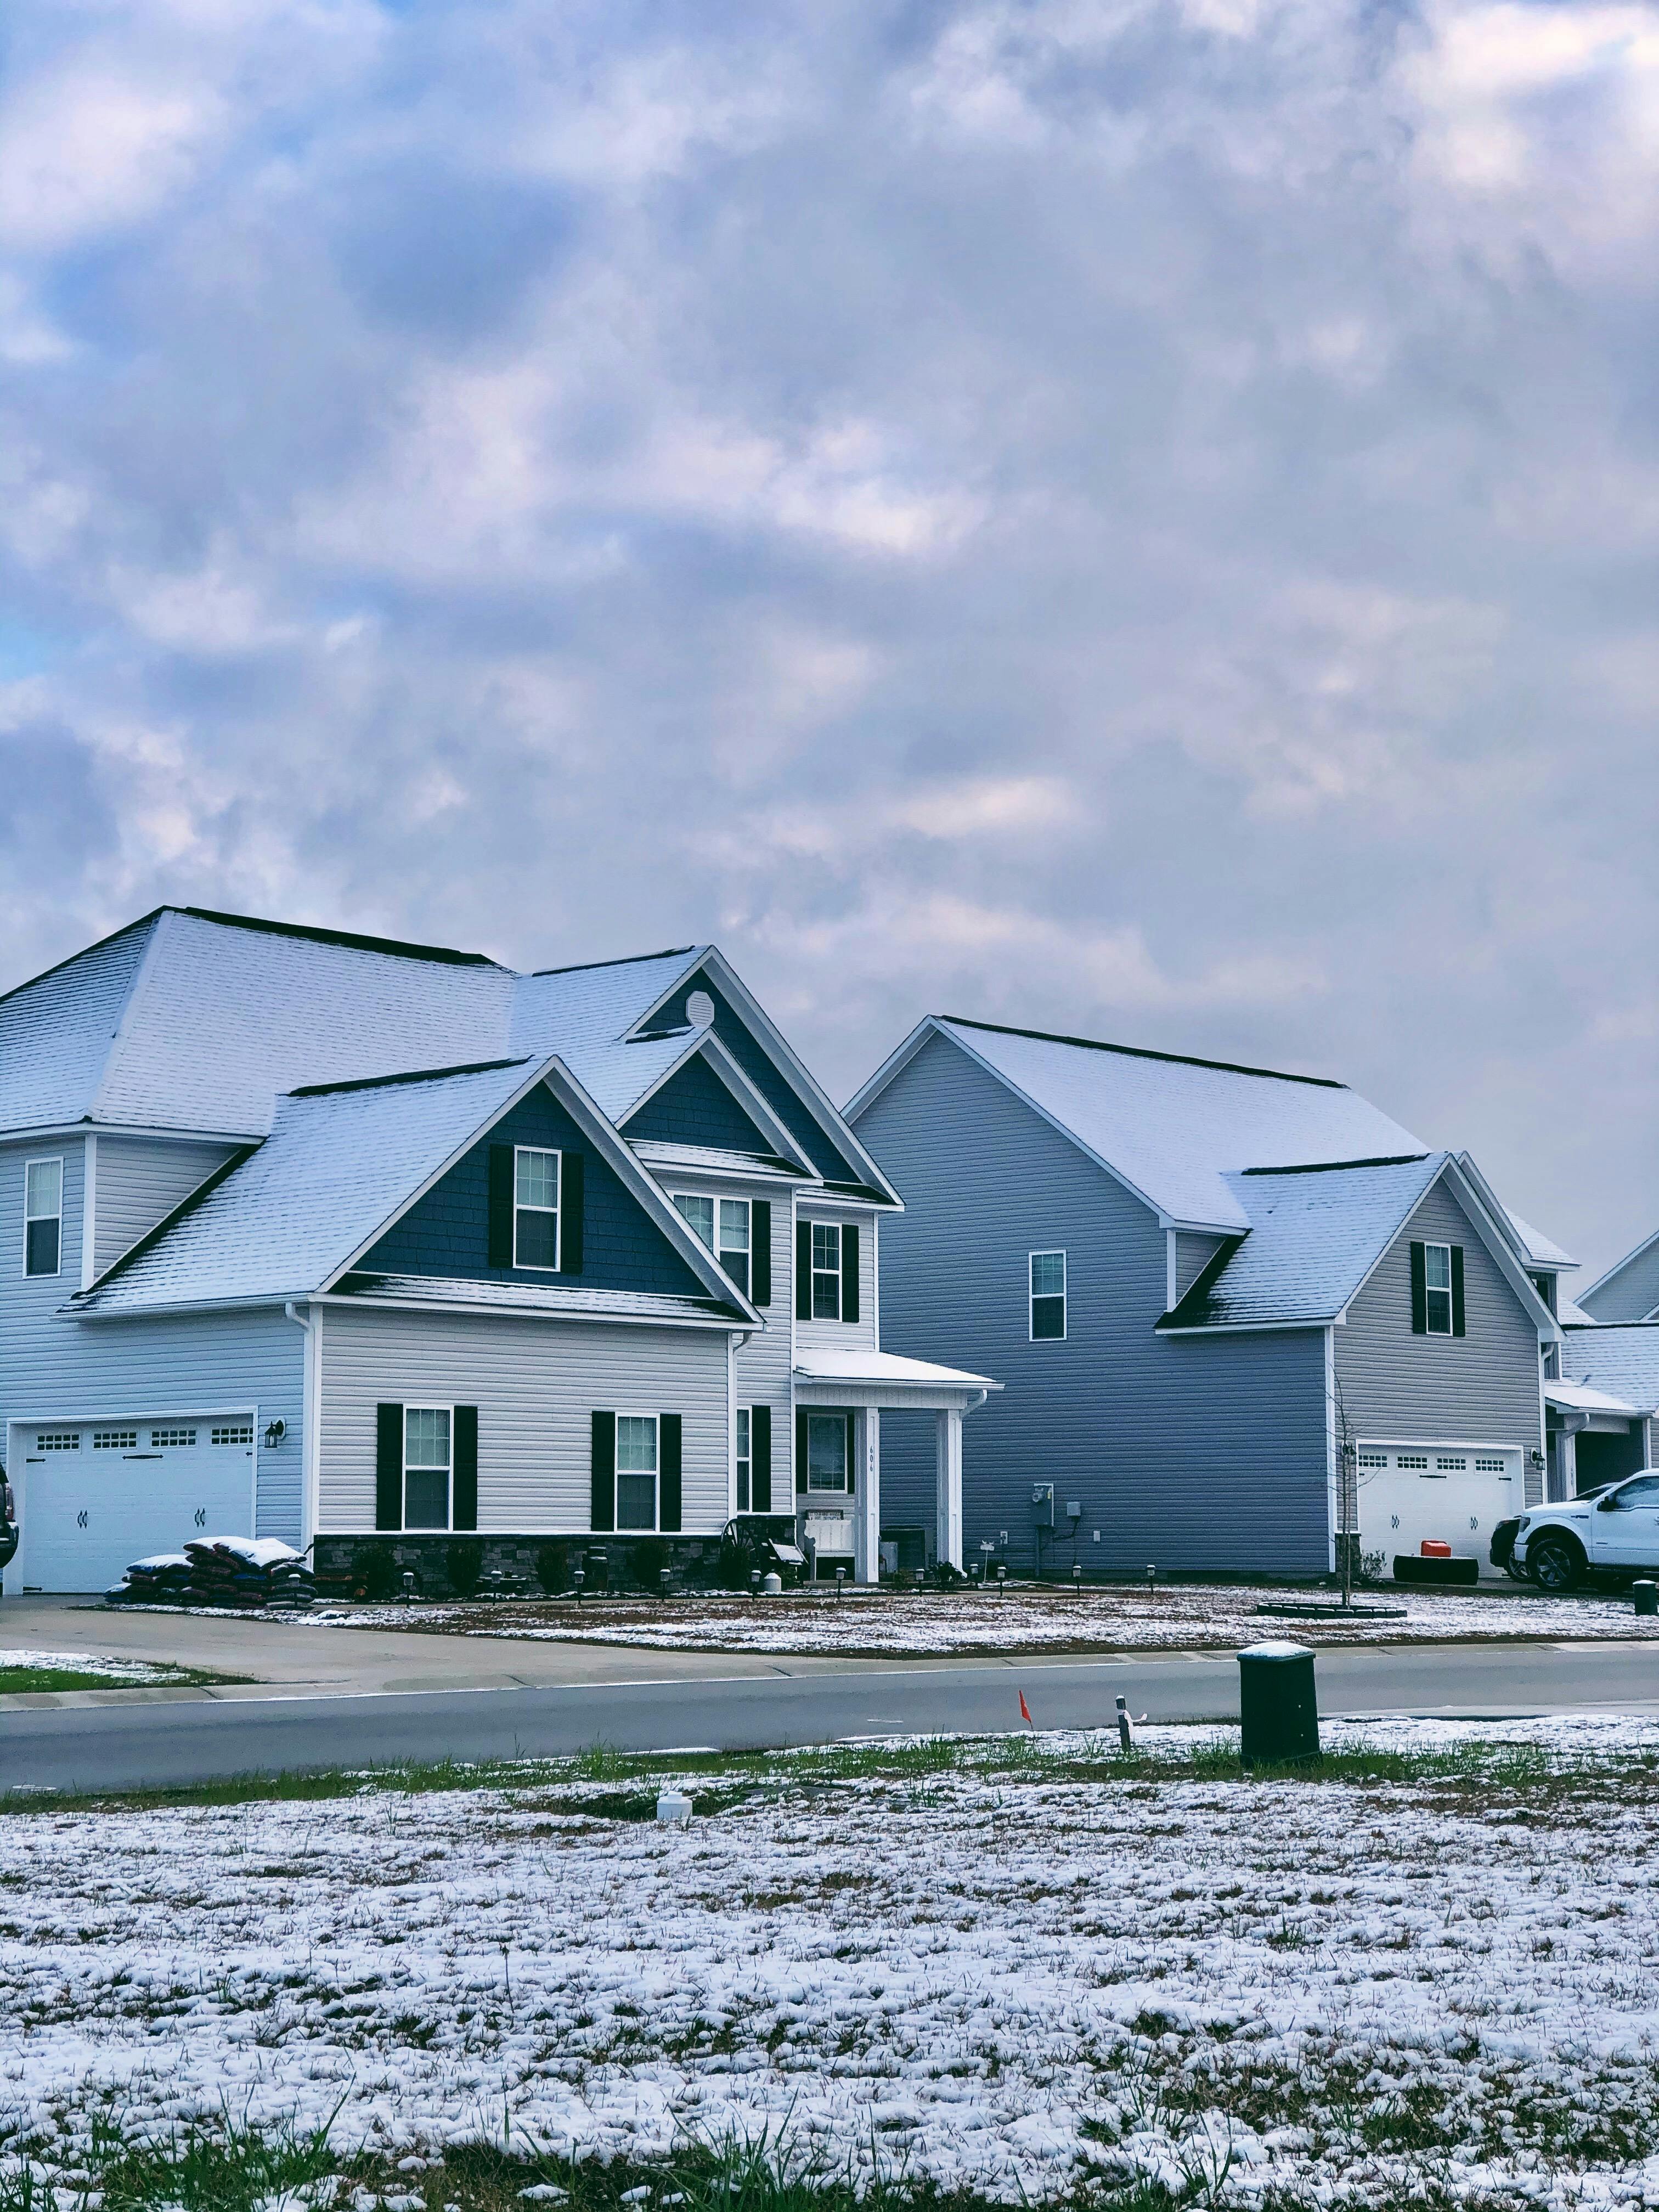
(1437, 1288)
(115, 1440)
(1491, 1466)
(1373, 1459)
(1451, 1466)
(826, 1271)
(1644, 1493)
(426, 1466)
(1048, 1295)
(636, 1470)
(57, 1440)
(826, 1452)
(171, 1438)
(1417, 1461)
(723, 1226)
(535, 1208)
(236, 1435)
(744, 1461)
(43, 1217)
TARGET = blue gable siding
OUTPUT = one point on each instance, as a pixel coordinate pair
(446, 1232)
(763, 1072)
(694, 1107)
(1194, 1454)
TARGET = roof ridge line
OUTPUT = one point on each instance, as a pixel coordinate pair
(406, 1075)
(97, 945)
(1338, 1167)
(622, 960)
(393, 947)
(1144, 1052)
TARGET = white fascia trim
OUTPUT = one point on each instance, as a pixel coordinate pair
(1486, 1228)
(1615, 1271)
(56, 1132)
(1170, 1301)
(754, 1102)
(896, 1060)
(825, 1201)
(1506, 1228)
(824, 1112)
(1239, 1228)
(1252, 1328)
(617, 1152)
(255, 1301)
(199, 1409)
(349, 1304)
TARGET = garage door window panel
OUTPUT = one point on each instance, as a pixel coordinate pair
(43, 1217)
(427, 1446)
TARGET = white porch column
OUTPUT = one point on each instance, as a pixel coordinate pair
(867, 1511)
(948, 1429)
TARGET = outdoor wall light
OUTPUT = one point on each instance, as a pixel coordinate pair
(275, 1431)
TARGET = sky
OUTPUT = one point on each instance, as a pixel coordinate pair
(1131, 516)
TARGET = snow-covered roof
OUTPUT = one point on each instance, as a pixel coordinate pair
(1170, 1127)
(662, 1158)
(884, 1371)
(1537, 1249)
(1621, 1357)
(556, 1301)
(1314, 1236)
(1584, 1398)
(335, 1168)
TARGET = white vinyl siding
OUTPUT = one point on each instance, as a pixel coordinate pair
(139, 1181)
(43, 1217)
(838, 1335)
(535, 1384)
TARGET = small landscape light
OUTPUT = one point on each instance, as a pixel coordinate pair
(578, 1577)
(840, 1577)
(409, 1586)
(1077, 1574)
(755, 1581)
(1152, 1575)
(921, 1577)
(664, 1576)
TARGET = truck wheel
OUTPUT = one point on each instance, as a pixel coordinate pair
(1555, 1563)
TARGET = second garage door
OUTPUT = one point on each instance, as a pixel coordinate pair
(97, 1495)
(1454, 1493)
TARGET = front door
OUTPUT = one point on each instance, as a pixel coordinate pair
(1627, 1533)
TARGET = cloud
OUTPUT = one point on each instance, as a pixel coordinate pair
(1135, 514)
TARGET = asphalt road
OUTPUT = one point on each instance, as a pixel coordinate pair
(155, 1744)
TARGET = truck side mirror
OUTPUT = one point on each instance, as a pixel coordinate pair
(1608, 1504)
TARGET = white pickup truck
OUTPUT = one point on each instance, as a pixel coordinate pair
(1614, 1531)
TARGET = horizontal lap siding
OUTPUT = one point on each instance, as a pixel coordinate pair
(1194, 1454)
(1633, 1292)
(1194, 1253)
(1480, 1388)
(762, 1367)
(55, 1366)
(536, 1385)
(137, 1181)
(843, 1335)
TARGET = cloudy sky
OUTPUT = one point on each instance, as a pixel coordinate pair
(1129, 517)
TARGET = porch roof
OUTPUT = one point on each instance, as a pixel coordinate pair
(1584, 1398)
(871, 1376)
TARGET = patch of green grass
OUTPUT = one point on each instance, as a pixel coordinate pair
(26, 1677)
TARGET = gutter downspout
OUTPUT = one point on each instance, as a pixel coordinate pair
(310, 1438)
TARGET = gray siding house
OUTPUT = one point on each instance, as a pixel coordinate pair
(1222, 1301)
(371, 1246)
(1628, 1290)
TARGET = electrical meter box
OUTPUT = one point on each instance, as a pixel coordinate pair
(1042, 1504)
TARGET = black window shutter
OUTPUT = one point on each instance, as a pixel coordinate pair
(803, 1270)
(1419, 1292)
(760, 1252)
(850, 1273)
(571, 1181)
(501, 1205)
(760, 1458)
(603, 1515)
(668, 1473)
(1457, 1290)
(463, 1505)
(388, 1467)
(801, 1451)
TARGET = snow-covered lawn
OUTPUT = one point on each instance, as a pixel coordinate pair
(1183, 1617)
(1336, 1988)
(115, 1673)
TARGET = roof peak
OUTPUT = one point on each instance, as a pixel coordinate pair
(1339, 1167)
(396, 948)
(622, 960)
(407, 1075)
(1143, 1052)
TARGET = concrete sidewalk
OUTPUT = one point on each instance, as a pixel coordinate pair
(288, 1657)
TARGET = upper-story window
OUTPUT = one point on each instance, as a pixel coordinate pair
(1048, 1295)
(1437, 1289)
(723, 1226)
(535, 1208)
(43, 1217)
(826, 1271)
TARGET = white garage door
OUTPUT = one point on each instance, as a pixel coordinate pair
(1457, 1493)
(94, 1496)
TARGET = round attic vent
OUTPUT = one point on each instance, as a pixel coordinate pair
(700, 1010)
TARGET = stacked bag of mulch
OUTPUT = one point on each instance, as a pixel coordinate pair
(229, 1571)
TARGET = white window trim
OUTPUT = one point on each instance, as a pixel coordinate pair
(44, 1160)
(628, 1413)
(814, 1271)
(716, 1199)
(534, 1267)
(1048, 1252)
(426, 1406)
(1437, 1291)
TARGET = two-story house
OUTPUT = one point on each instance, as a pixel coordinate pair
(1223, 1301)
(343, 1241)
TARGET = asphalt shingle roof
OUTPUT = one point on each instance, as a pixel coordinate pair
(1621, 1358)
(1174, 1128)
(1313, 1238)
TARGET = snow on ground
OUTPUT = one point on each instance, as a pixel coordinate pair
(116, 1671)
(1329, 1988)
(1176, 1617)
